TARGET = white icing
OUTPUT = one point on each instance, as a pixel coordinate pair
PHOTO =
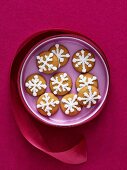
(71, 104)
(62, 85)
(35, 85)
(83, 60)
(44, 63)
(85, 81)
(59, 53)
(89, 98)
(47, 103)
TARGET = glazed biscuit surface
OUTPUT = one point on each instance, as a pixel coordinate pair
(88, 96)
(35, 84)
(60, 84)
(47, 104)
(70, 105)
(61, 52)
(84, 80)
(47, 62)
(83, 61)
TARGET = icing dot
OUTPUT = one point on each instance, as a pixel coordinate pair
(26, 84)
(61, 60)
(54, 68)
(94, 78)
(48, 114)
(67, 112)
(79, 98)
(99, 96)
(89, 65)
(38, 57)
(71, 110)
(51, 54)
(57, 102)
(81, 76)
(57, 45)
(84, 102)
(77, 54)
(79, 108)
(63, 100)
(78, 89)
(67, 55)
(36, 76)
(73, 60)
(62, 51)
(34, 94)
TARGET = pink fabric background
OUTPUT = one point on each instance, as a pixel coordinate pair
(104, 22)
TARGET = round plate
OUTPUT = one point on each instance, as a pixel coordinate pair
(73, 43)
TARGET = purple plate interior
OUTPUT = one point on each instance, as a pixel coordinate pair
(100, 70)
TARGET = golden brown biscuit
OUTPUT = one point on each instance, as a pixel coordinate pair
(70, 105)
(84, 80)
(47, 104)
(60, 84)
(88, 96)
(61, 52)
(83, 61)
(35, 84)
(47, 62)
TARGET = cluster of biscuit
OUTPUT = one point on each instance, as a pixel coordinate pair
(61, 84)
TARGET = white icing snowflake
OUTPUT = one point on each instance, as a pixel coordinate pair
(84, 81)
(44, 63)
(89, 98)
(59, 53)
(35, 85)
(83, 60)
(61, 85)
(71, 104)
(47, 103)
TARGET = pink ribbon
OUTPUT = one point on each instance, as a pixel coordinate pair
(66, 145)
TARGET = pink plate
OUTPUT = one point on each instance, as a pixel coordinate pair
(73, 43)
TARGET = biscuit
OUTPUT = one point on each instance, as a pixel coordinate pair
(88, 96)
(47, 62)
(84, 80)
(70, 105)
(60, 84)
(61, 52)
(35, 85)
(83, 61)
(47, 104)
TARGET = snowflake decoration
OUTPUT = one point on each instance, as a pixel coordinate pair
(89, 98)
(83, 60)
(84, 81)
(35, 85)
(47, 103)
(71, 104)
(45, 62)
(61, 85)
(59, 53)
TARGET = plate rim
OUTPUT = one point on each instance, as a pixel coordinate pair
(90, 43)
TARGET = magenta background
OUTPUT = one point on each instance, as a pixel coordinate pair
(104, 22)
